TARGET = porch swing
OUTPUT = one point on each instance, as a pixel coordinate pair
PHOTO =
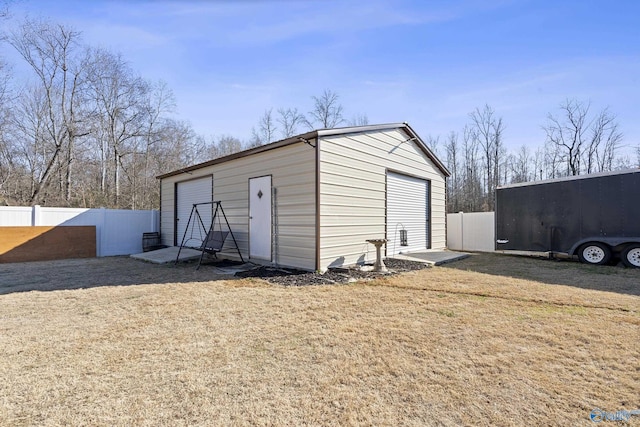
(215, 236)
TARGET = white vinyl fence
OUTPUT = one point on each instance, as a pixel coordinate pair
(471, 231)
(118, 231)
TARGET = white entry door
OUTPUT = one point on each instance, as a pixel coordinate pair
(260, 218)
(407, 214)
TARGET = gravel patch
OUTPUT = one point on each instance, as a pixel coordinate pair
(293, 277)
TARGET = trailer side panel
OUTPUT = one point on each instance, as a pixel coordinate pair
(554, 216)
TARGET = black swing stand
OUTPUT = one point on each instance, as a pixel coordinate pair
(214, 240)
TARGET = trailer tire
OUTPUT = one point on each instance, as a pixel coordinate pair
(631, 256)
(594, 253)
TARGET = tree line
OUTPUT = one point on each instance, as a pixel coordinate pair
(85, 130)
(81, 128)
(577, 141)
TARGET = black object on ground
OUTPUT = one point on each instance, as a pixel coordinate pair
(294, 277)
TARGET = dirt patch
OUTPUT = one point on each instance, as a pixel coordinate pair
(293, 277)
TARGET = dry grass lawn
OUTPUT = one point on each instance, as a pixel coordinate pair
(491, 340)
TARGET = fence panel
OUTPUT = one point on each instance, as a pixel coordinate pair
(63, 216)
(454, 231)
(118, 231)
(16, 216)
(122, 231)
(471, 231)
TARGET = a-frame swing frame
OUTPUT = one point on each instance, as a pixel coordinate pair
(195, 216)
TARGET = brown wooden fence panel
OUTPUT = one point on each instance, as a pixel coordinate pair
(19, 244)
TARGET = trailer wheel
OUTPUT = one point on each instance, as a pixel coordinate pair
(594, 253)
(631, 256)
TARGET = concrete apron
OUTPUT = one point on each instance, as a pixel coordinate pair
(432, 257)
(167, 255)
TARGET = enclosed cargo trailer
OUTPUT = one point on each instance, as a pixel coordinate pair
(595, 217)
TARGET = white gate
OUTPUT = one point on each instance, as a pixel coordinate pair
(471, 231)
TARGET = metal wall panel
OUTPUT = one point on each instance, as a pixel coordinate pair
(353, 192)
(293, 178)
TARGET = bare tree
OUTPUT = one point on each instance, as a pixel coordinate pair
(567, 133)
(5, 117)
(587, 143)
(359, 120)
(266, 131)
(4, 9)
(471, 182)
(454, 187)
(327, 111)
(521, 166)
(29, 133)
(178, 147)
(52, 52)
(604, 141)
(487, 130)
(122, 106)
(433, 142)
(554, 161)
(85, 130)
(160, 103)
(480, 162)
(538, 164)
(225, 145)
(290, 120)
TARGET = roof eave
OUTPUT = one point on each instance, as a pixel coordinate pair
(305, 137)
(426, 150)
(262, 148)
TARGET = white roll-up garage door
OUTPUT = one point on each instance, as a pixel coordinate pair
(407, 214)
(188, 193)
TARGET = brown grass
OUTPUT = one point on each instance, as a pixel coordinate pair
(444, 346)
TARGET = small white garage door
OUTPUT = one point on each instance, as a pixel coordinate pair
(407, 214)
(188, 193)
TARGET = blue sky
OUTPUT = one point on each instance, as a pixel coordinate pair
(429, 63)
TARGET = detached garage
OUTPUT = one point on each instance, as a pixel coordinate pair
(312, 201)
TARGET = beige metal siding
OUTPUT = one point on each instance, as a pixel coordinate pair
(292, 169)
(353, 192)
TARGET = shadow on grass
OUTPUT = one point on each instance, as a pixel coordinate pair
(124, 271)
(554, 272)
(96, 272)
